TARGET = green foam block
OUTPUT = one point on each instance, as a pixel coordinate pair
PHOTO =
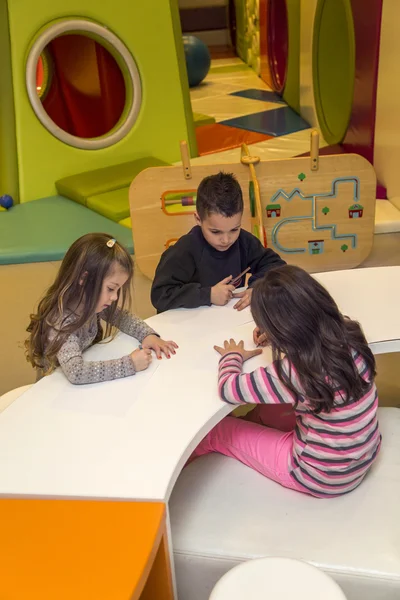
(126, 223)
(82, 186)
(43, 230)
(113, 205)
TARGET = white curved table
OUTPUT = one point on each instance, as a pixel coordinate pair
(131, 437)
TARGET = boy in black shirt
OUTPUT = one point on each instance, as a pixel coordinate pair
(198, 269)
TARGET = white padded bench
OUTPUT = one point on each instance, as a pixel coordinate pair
(223, 513)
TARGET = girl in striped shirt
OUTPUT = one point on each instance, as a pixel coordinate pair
(322, 434)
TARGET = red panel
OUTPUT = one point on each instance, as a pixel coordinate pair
(278, 42)
(274, 43)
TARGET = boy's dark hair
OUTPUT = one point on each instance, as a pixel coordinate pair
(219, 194)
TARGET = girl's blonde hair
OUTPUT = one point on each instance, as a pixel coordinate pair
(78, 283)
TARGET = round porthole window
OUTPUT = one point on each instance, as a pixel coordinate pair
(83, 84)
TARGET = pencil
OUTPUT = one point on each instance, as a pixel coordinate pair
(239, 277)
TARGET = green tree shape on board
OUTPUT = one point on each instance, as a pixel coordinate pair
(325, 210)
(344, 247)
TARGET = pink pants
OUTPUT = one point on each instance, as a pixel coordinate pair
(262, 440)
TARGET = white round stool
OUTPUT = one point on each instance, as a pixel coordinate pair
(276, 579)
(9, 397)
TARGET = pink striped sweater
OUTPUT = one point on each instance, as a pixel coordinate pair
(332, 452)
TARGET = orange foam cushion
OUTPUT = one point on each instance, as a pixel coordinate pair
(217, 137)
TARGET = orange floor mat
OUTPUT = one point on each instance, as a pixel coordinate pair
(222, 52)
(217, 137)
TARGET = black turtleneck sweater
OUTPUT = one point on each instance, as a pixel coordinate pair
(190, 268)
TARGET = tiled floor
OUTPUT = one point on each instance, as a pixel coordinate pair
(285, 146)
(217, 137)
(264, 95)
(275, 120)
(226, 107)
(241, 100)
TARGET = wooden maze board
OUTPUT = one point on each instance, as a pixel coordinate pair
(320, 220)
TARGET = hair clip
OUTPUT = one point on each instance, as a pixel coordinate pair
(111, 242)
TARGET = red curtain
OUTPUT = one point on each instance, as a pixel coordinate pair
(87, 89)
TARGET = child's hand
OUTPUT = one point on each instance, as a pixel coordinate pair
(141, 358)
(245, 299)
(260, 339)
(232, 346)
(222, 292)
(153, 342)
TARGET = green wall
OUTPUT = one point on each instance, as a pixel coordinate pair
(151, 32)
(8, 141)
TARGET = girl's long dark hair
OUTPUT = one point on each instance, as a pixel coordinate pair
(78, 284)
(302, 322)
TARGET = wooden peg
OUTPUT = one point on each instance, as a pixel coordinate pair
(249, 160)
(245, 157)
(314, 150)
(187, 170)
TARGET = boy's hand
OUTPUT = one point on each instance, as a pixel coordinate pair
(260, 339)
(153, 342)
(245, 299)
(222, 292)
(232, 346)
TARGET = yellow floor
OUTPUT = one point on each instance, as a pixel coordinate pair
(22, 286)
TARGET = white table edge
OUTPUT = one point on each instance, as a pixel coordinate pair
(379, 347)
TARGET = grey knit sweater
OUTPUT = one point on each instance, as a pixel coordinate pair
(79, 371)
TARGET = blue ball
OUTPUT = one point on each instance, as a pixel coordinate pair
(6, 201)
(198, 59)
